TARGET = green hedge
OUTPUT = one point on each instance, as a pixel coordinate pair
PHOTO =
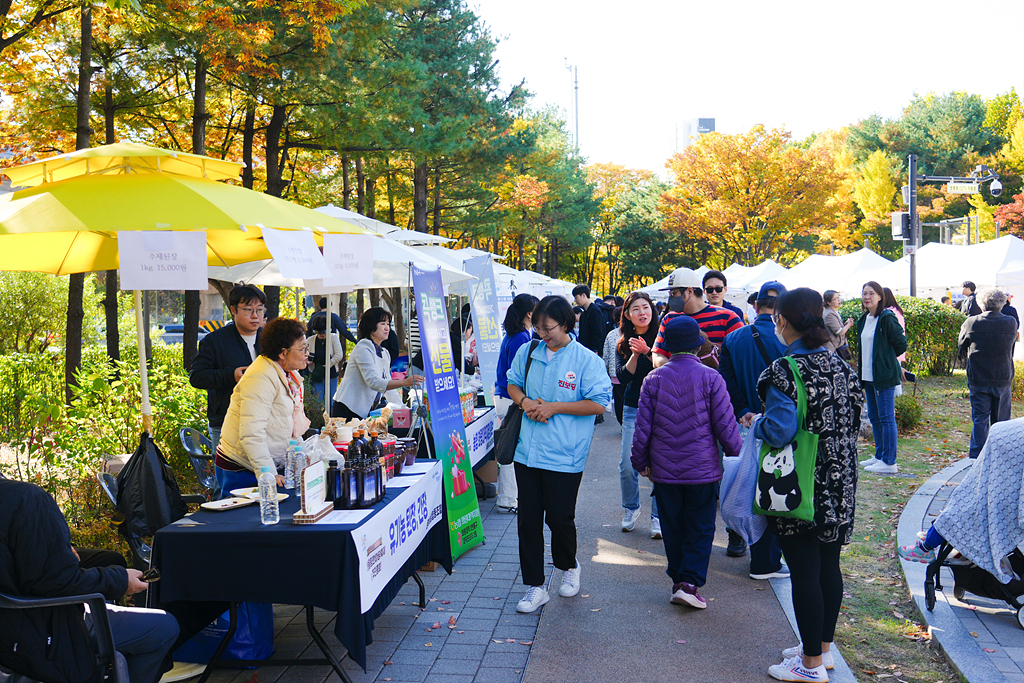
(932, 331)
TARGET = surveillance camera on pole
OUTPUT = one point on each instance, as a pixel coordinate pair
(996, 188)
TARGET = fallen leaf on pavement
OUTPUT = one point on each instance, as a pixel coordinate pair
(510, 640)
(971, 607)
(440, 609)
(451, 622)
(460, 631)
(403, 603)
(437, 624)
(428, 629)
(433, 599)
(869, 673)
(446, 602)
(585, 596)
(387, 679)
(526, 642)
(598, 609)
(681, 642)
(388, 662)
(987, 649)
(428, 644)
(499, 642)
(973, 633)
(495, 598)
(898, 615)
(869, 580)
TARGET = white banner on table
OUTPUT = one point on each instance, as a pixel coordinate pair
(480, 435)
(296, 253)
(162, 259)
(388, 539)
(350, 259)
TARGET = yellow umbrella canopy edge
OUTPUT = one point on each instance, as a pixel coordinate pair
(122, 157)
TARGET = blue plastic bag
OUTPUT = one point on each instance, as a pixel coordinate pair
(739, 482)
(254, 637)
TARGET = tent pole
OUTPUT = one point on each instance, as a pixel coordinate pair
(328, 351)
(147, 409)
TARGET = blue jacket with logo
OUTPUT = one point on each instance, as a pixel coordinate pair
(575, 373)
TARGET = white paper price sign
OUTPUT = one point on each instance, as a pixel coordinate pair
(296, 253)
(161, 259)
(350, 258)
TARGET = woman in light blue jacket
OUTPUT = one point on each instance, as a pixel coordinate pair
(567, 387)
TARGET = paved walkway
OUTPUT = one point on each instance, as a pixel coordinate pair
(980, 637)
(620, 628)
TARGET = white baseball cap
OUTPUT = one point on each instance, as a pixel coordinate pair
(682, 278)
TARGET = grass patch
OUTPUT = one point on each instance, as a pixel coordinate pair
(879, 630)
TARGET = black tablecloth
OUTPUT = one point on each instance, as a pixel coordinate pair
(231, 556)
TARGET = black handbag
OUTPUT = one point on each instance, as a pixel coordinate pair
(506, 437)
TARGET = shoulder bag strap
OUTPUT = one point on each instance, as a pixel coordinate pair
(529, 362)
(801, 393)
(760, 345)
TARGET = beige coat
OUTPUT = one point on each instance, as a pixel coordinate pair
(259, 421)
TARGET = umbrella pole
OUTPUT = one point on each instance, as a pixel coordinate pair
(147, 409)
(328, 351)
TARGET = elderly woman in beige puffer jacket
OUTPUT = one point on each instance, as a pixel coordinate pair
(266, 407)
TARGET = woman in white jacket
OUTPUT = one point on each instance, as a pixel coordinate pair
(368, 374)
(266, 407)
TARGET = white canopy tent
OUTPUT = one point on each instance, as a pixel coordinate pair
(846, 273)
(655, 290)
(392, 232)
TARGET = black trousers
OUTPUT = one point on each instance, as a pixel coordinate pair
(687, 513)
(765, 555)
(546, 496)
(817, 588)
(618, 398)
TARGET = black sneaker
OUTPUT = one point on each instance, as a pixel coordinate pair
(599, 420)
(737, 546)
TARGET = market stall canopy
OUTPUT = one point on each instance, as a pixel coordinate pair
(655, 290)
(751, 279)
(123, 157)
(71, 225)
(390, 269)
(846, 273)
(372, 224)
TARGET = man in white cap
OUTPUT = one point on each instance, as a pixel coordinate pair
(686, 295)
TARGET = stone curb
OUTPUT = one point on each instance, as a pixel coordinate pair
(947, 631)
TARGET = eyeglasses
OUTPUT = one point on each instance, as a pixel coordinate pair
(546, 330)
(251, 312)
(714, 290)
(302, 349)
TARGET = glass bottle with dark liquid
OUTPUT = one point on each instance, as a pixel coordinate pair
(356, 473)
(370, 471)
(331, 486)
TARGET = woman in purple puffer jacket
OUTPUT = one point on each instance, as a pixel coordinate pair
(684, 413)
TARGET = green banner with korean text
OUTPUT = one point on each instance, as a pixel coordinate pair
(449, 432)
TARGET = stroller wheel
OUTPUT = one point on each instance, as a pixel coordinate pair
(1020, 617)
(929, 596)
(958, 593)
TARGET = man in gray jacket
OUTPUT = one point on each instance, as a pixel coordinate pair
(987, 340)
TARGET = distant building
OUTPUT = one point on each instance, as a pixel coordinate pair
(694, 128)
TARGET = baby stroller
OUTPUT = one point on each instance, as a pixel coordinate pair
(970, 578)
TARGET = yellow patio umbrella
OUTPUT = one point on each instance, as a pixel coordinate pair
(71, 226)
(123, 157)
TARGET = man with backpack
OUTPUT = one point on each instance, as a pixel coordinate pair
(595, 323)
(746, 352)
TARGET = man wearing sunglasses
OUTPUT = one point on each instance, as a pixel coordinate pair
(715, 286)
(225, 354)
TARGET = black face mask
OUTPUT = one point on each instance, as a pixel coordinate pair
(675, 303)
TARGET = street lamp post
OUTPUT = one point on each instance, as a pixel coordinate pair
(981, 174)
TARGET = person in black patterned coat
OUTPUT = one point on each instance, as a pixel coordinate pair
(835, 401)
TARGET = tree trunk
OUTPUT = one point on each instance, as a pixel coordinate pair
(273, 293)
(419, 196)
(360, 187)
(520, 247)
(391, 191)
(371, 198)
(248, 133)
(375, 297)
(437, 201)
(276, 157)
(346, 191)
(110, 278)
(76, 284)
(190, 334)
(343, 314)
(360, 303)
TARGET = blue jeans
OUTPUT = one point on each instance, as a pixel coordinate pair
(144, 637)
(882, 413)
(628, 477)
(988, 406)
(318, 389)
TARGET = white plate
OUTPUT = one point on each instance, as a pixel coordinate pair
(256, 496)
(226, 504)
(242, 493)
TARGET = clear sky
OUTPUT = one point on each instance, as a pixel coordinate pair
(646, 65)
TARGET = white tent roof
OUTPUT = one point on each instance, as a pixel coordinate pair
(942, 267)
(846, 273)
(392, 232)
(751, 279)
(655, 290)
(390, 268)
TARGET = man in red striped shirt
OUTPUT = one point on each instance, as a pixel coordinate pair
(686, 296)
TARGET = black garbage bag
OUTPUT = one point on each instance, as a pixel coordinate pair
(147, 493)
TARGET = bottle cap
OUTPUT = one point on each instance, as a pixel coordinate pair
(266, 469)
(332, 463)
(293, 442)
(298, 447)
(374, 434)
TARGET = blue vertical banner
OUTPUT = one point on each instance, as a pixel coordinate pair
(486, 326)
(464, 524)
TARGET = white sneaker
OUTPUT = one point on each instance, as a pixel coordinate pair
(793, 669)
(629, 518)
(535, 597)
(570, 582)
(798, 651)
(881, 468)
(655, 527)
(870, 461)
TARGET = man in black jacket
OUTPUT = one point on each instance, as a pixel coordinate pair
(37, 561)
(969, 306)
(988, 341)
(225, 354)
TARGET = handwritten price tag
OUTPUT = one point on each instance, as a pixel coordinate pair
(350, 258)
(295, 253)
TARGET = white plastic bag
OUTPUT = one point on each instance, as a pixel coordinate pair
(739, 481)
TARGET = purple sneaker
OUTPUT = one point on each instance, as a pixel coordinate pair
(686, 594)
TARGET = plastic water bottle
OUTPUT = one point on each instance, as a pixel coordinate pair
(301, 462)
(290, 471)
(269, 512)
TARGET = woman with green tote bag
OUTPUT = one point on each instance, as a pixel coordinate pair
(832, 404)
